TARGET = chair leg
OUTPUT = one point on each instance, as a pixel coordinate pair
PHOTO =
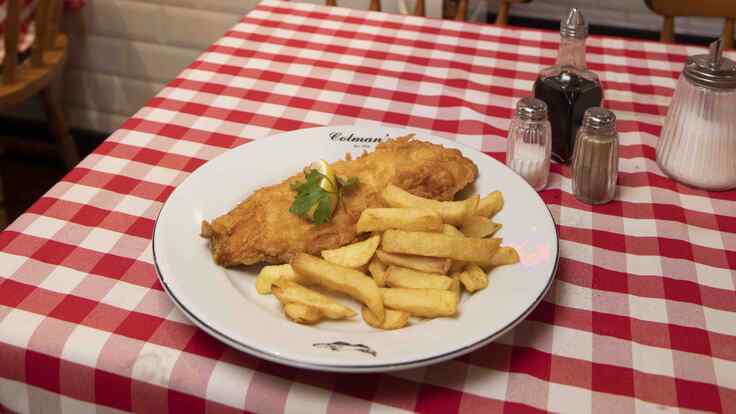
(668, 30)
(59, 128)
(728, 41)
(420, 8)
(3, 212)
(462, 10)
(502, 19)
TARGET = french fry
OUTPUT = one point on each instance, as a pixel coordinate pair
(457, 266)
(394, 319)
(439, 245)
(456, 288)
(300, 313)
(490, 204)
(450, 230)
(427, 303)
(377, 269)
(353, 255)
(502, 256)
(269, 274)
(453, 212)
(479, 226)
(416, 219)
(505, 255)
(401, 277)
(287, 291)
(473, 278)
(340, 279)
(421, 263)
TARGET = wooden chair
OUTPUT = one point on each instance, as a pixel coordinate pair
(39, 73)
(705, 8)
(3, 213)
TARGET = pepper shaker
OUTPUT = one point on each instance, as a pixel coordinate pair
(698, 142)
(528, 146)
(595, 159)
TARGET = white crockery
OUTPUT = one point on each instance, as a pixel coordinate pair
(224, 302)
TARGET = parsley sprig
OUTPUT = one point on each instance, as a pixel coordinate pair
(310, 194)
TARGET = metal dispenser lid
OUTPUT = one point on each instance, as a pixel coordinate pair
(712, 70)
(531, 109)
(599, 119)
(574, 25)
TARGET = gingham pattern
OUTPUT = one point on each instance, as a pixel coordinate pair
(640, 318)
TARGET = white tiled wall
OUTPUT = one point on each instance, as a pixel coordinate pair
(129, 49)
(126, 50)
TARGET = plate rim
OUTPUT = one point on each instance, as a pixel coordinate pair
(350, 368)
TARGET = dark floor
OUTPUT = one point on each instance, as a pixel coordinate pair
(26, 177)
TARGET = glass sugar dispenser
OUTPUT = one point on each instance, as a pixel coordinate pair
(568, 88)
(595, 162)
(529, 142)
(698, 142)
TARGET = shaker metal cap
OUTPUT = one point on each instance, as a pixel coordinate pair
(531, 109)
(574, 25)
(598, 118)
(712, 70)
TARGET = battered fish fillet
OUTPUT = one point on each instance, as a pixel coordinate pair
(261, 228)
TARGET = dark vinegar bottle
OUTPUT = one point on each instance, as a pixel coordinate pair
(568, 88)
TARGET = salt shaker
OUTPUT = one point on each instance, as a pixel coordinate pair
(529, 142)
(698, 142)
(595, 158)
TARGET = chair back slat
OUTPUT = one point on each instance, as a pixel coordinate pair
(462, 10)
(39, 43)
(420, 8)
(12, 33)
(53, 19)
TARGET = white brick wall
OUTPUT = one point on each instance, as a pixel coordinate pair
(131, 48)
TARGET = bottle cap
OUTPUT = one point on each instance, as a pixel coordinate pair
(574, 26)
(712, 70)
(597, 118)
(531, 109)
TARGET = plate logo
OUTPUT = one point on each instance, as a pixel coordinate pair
(345, 346)
(357, 140)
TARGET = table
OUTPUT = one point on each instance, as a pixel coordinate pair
(641, 317)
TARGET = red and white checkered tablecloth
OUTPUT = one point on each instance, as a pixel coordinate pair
(641, 317)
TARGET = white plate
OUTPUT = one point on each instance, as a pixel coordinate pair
(225, 304)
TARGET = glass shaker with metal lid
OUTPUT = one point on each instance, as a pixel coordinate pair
(568, 88)
(529, 142)
(698, 142)
(595, 161)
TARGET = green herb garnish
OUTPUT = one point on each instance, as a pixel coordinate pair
(315, 203)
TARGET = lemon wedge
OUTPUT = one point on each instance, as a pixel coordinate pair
(328, 183)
